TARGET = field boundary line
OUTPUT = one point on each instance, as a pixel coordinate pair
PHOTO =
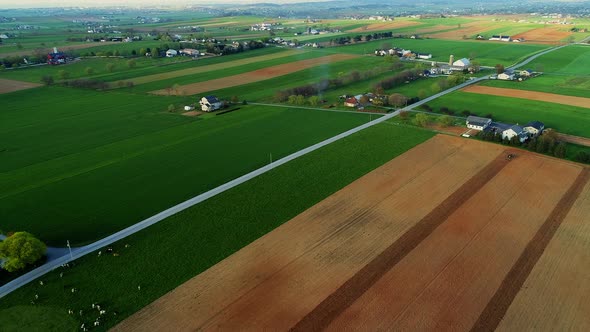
(495, 310)
(332, 306)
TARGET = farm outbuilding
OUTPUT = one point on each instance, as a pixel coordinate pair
(464, 63)
(478, 123)
(171, 53)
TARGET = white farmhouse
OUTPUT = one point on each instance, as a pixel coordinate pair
(210, 103)
(477, 123)
(513, 131)
(534, 128)
(506, 76)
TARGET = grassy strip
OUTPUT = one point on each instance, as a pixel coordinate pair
(180, 247)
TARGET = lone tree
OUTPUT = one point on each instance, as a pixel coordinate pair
(20, 250)
(397, 100)
(500, 68)
(47, 79)
(89, 70)
(131, 63)
(110, 67)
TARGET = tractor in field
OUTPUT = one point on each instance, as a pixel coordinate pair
(510, 156)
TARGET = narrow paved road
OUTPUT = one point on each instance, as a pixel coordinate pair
(82, 251)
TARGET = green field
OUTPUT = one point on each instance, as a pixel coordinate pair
(563, 118)
(180, 247)
(488, 54)
(84, 169)
(565, 71)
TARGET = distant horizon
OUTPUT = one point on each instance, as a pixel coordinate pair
(27, 4)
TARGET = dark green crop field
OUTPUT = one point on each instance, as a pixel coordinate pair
(82, 169)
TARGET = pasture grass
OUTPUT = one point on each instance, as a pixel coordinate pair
(169, 253)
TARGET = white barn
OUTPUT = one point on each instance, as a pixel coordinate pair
(477, 123)
(462, 63)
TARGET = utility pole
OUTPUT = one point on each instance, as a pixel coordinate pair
(70, 248)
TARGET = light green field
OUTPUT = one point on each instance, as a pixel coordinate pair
(167, 254)
(563, 118)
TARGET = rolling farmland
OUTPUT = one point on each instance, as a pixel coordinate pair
(362, 257)
(201, 236)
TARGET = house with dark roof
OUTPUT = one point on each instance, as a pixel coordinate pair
(477, 123)
(210, 103)
(515, 131)
(534, 128)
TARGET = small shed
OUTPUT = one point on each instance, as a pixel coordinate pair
(171, 53)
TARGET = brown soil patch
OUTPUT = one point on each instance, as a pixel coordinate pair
(353, 288)
(532, 95)
(384, 26)
(207, 68)
(449, 278)
(421, 243)
(192, 113)
(278, 279)
(453, 130)
(574, 139)
(255, 76)
(555, 295)
(7, 86)
(468, 30)
(548, 35)
(505, 294)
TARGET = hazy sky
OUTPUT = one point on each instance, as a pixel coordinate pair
(103, 3)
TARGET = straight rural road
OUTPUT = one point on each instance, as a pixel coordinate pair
(82, 251)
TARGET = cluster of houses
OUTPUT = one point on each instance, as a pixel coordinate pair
(402, 53)
(500, 38)
(508, 131)
(184, 52)
(356, 101)
(514, 75)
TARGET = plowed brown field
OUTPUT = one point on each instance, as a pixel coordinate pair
(423, 242)
(7, 86)
(548, 35)
(532, 95)
(254, 76)
(559, 285)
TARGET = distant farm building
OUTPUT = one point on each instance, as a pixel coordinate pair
(534, 128)
(210, 103)
(501, 38)
(171, 53)
(424, 56)
(189, 52)
(477, 123)
(508, 75)
(351, 102)
(56, 58)
(515, 131)
(462, 63)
